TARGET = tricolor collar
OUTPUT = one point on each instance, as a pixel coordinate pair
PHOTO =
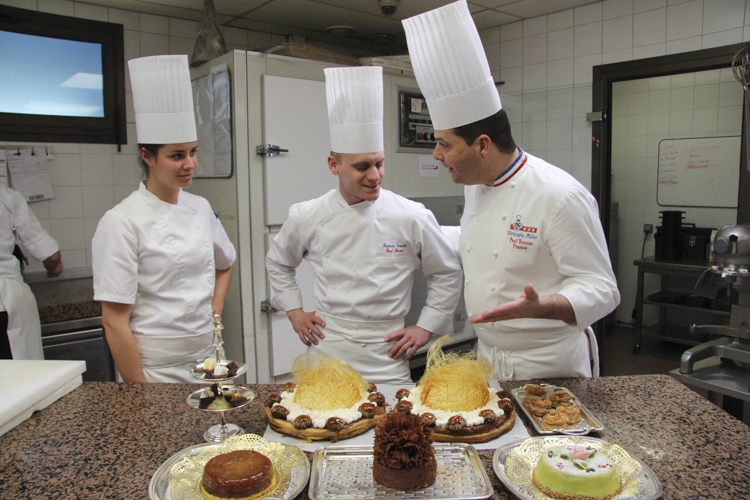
(514, 167)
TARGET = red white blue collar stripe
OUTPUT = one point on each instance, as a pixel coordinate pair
(514, 167)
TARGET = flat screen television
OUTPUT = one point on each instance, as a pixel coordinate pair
(62, 79)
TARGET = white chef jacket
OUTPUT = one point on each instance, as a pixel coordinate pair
(536, 225)
(18, 221)
(363, 257)
(162, 259)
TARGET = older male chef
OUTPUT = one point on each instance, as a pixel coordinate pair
(19, 316)
(363, 243)
(530, 240)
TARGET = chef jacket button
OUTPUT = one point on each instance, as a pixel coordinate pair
(468, 249)
(467, 282)
(502, 216)
(364, 345)
(495, 253)
(472, 214)
(512, 185)
(492, 288)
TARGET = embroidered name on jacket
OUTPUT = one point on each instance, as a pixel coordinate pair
(394, 247)
(521, 237)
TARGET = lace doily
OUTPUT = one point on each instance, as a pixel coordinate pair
(185, 476)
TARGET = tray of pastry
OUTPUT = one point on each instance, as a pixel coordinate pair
(555, 410)
(345, 473)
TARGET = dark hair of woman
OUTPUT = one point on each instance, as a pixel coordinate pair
(151, 149)
(496, 127)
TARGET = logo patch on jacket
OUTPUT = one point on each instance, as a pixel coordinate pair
(394, 247)
(521, 237)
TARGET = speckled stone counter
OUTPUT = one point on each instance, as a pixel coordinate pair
(65, 299)
(105, 440)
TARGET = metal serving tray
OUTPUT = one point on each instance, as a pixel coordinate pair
(345, 473)
(589, 423)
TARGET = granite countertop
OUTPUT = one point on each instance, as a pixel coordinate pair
(69, 296)
(106, 440)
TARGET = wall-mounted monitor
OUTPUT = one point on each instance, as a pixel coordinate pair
(61, 79)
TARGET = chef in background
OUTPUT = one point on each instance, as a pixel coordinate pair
(363, 243)
(162, 262)
(20, 330)
(533, 250)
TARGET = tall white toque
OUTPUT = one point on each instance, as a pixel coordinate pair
(163, 99)
(451, 66)
(355, 108)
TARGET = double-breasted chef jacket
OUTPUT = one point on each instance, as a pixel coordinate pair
(162, 259)
(16, 298)
(536, 224)
(363, 257)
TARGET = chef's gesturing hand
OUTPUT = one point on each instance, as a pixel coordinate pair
(412, 338)
(305, 324)
(530, 305)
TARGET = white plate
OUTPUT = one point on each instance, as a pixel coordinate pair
(650, 486)
(158, 488)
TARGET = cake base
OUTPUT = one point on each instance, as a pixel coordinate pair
(258, 495)
(415, 478)
(313, 434)
(474, 434)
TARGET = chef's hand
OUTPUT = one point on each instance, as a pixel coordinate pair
(530, 305)
(304, 323)
(411, 338)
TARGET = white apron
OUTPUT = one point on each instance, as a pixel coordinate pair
(571, 356)
(24, 328)
(170, 359)
(360, 343)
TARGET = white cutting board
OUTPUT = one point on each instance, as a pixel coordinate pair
(31, 385)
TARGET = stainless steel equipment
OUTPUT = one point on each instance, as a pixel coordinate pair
(81, 339)
(732, 248)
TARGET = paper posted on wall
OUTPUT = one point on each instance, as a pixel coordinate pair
(29, 174)
(3, 170)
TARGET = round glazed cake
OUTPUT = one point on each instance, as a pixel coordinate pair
(575, 472)
(241, 474)
(403, 455)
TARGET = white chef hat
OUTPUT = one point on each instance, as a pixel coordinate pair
(163, 99)
(355, 108)
(451, 66)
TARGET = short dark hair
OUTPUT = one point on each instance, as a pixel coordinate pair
(496, 127)
(153, 150)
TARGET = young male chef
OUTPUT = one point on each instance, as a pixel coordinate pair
(363, 243)
(532, 247)
(20, 330)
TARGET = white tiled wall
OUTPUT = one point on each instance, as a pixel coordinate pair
(546, 64)
(644, 112)
(90, 179)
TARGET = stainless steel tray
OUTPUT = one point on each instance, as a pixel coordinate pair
(345, 473)
(589, 423)
(650, 486)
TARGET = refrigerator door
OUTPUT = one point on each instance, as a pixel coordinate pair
(295, 118)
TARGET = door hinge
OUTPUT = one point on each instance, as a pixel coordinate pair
(266, 307)
(596, 116)
(269, 150)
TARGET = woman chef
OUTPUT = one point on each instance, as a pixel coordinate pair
(20, 331)
(161, 259)
(363, 244)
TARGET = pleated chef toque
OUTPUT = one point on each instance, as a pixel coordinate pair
(451, 66)
(163, 99)
(355, 108)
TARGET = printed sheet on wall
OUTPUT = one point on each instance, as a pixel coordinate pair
(699, 172)
(29, 173)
